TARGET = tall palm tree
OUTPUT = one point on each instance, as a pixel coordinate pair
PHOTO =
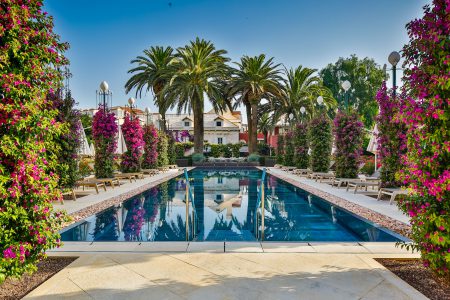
(198, 70)
(152, 73)
(256, 79)
(301, 88)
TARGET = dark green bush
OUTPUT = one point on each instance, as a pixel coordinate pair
(320, 138)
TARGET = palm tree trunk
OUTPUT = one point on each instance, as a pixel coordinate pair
(162, 122)
(197, 107)
(265, 136)
(254, 135)
(249, 125)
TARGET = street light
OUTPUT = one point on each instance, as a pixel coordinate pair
(291, 117)
(393, 59)
(302, 110)
(320, 100)
(346, 85)
(147, 112)
(104, 95)
(131, 101)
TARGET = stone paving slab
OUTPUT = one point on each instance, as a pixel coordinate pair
(224, 276)
(274, 247)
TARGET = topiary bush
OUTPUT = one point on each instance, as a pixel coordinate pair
(163, 149)
(254, 157)
(426, 113)
(301, 146)
(29, 130)
(226, 150)
(104, 131)
(198, 158)
(235, 149)
(320, 137)
(289, 149)
(280, 149)
(134, 139)
(348, 133)
(150, 156)
(391, 137)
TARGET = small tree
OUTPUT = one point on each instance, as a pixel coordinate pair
(301, 146)
(150, 157)
(163, 149)
(104, 131)
(134, 139)
(348, 133)
(320, 137)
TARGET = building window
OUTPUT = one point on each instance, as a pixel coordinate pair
(187, 123)
(220, 140)
(218, 123)
(219, 198)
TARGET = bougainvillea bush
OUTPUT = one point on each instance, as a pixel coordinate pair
(150, 157)
(134, 139)
(301, 145)
(289, 149)
(104, 131)
(348, 133)
(391, 136)
(28, 129)
(163, 149)
(320, 139)
(134, 220)
(426, 113)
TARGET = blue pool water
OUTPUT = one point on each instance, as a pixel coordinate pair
(225, 210)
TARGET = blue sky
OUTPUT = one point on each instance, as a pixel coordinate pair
(105, 35)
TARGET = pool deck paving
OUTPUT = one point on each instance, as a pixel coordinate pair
(228, 270)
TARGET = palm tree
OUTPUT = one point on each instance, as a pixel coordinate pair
(152, 73)
(301, 88)
(254, 80)
(198, 70)
(265, 125)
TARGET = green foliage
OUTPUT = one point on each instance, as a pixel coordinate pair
(215, 150)
(280, 149)
(86, 121)
(365, 76)
(84, 168)
(289, 149)
(368, 168)
(320, 139)
(254, 157)
(263, 149)
(172, 150)
(163, 149)
(198, 158)
(227, 152)
(301, 145)
(29, 131)
(181, 148)
(235, 149)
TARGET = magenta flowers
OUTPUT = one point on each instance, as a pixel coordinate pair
(104, 131)
(133, 135)
(150, 148)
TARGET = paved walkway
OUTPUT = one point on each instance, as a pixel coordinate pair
(382, 207)
(225, 276)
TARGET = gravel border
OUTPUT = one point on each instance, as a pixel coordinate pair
(373, 216)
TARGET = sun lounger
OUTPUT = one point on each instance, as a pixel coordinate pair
(175, 167)
(358, 183)
(122, 176)
(320, 176)
(110, 181)
(339, 182)
(302, 172)
(288, 169)
(163, 169)
(91, 183)
(70, 192)
(150, 171)
(393, 192)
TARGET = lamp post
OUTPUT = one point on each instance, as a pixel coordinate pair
(104, 95)
(346, 86)
(303, 111)
(291, 117)
(147, 113)
(393, 59)
(320, 102)
(131, 102)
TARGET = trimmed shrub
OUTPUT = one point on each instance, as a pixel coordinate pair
(348, 132)
(280, 149)
(29, 128)
(254, 157)
(426, 113)
(289, 149)
(263, 149)
(134, 139)
(227, 150)
(301, 146)
(198, 158)
(320, 137)
(235, 149)
(163, 149)
(150, 157)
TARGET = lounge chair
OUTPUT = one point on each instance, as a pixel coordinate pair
(302, 172)
(91, 182)
(320, 176)
(393, 192)
(128, 176)
(150, 171)
(288, 169)
(339, 182)
(70, 192)
(362, 184)
(110, 181)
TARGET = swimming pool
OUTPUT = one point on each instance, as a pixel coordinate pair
(225, 210)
